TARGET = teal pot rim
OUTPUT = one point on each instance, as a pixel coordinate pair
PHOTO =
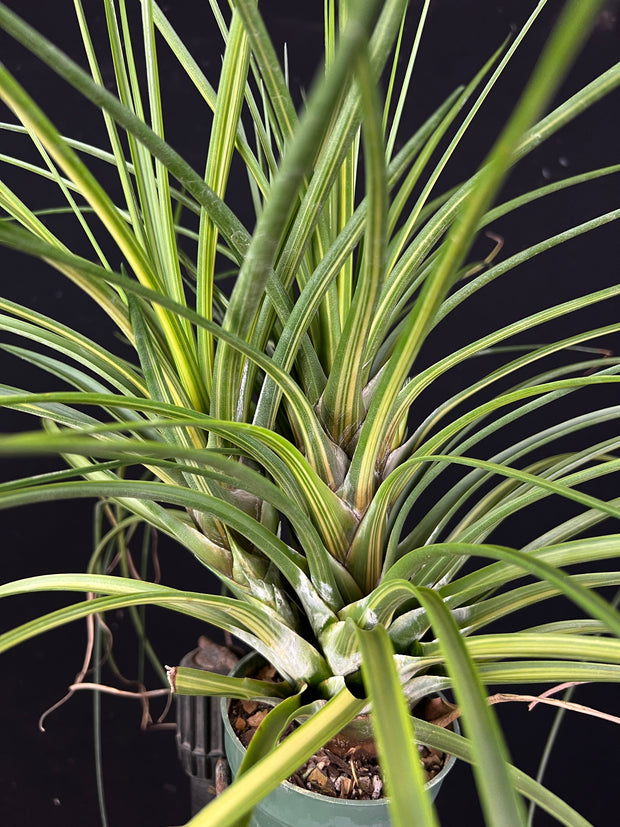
(432, 786)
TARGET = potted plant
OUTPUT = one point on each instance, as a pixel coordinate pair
(274, 424)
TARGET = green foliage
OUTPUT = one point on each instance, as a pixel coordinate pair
(275, 430)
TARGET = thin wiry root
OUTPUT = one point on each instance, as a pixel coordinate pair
(142, 695)
(534, 700)
(478, 268)
(504, 697)
(90, 639)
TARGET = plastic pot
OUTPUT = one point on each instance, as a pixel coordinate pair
(291, 806)
(199, 735)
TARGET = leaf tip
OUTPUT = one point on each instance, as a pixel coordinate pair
(172, 677)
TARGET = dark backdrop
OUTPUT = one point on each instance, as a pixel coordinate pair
(48, 779)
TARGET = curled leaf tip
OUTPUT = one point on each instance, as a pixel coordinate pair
(172, 677)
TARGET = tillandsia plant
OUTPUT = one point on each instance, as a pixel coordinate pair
(266, 411)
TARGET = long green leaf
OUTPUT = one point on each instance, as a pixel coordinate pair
(342, 406)
(567, 38)
(30, 114)
(249, 286)
(187, 681)
(394, 734)
(227, 223)
(463, 748)
(531, 562)
(255, 624)
(219, 157)
(487, 743)
(320, 452)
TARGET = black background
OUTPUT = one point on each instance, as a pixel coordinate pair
(48, 779)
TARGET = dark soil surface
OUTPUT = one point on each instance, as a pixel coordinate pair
(342, 768)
